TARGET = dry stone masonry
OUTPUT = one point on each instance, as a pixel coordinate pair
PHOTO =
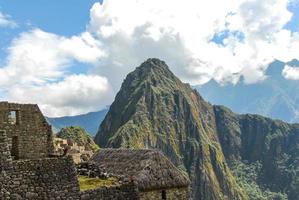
(30, 171)
(47, 178)
(154, 175)
(26, 169)
(78, 152)
(28, 133)
(5, 157)
(122, 192)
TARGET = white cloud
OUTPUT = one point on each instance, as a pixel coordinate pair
(122, 34)
(181, 33)
(6, 21)
(37, 70)
(73, 95)
(291, 73)
(39, 56)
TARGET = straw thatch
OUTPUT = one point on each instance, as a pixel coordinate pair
(148, 168)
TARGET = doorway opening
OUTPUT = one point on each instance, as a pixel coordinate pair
(15, 147)
(163, 195)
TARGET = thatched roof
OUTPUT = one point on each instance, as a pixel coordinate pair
(149, 168)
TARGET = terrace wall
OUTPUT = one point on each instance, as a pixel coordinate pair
(170, 194)
(47, 178)
(122, 192)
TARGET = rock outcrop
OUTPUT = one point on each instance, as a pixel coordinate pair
(155, 109)
(227, 156)
(272, 144)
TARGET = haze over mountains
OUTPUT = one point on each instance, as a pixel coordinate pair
(90, 121)
(275, 97)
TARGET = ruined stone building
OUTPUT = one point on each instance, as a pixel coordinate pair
(28, 170)
(28, 133)
(79, 153)
(154, 175)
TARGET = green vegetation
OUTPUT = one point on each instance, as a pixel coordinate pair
(87, 183)
(247, 177)
(155, 109)
(78, 135)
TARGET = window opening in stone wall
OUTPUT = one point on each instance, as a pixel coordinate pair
(163, 195)
(15, 147)
(13, 117)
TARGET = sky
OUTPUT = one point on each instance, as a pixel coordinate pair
(70, 57)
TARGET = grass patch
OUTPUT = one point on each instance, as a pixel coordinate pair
(87, 183)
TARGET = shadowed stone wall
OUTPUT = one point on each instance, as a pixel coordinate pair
(123, 192)
(5, 158)
(47, 178)
(29, 135)
(28, 173)
(169, 194)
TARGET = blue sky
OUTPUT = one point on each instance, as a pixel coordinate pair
(294, 23)
(46, 47)
(69, 18)
(66, 17)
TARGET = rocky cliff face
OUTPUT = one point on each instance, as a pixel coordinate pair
(273, 144)
(154, 109)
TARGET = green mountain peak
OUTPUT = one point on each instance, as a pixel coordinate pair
(154, 109)
(226, 155)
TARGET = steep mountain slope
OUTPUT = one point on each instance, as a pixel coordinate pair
(78, 135)
(227, 156)
(275, 97)
(268, 148)
(90, 121)
(155, 109)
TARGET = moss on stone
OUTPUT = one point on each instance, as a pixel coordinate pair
(87, 183)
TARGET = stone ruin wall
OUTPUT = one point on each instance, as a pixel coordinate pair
(53, 178)
(78, 152)
(31, 133)
(127, 191)
(50, 178)
(37, 177)
(123, 192)
(171, 194)
(130, 192)
(40, 179)
(5, 158)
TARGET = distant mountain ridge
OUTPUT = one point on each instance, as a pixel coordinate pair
(154, 109)
(275, 97)
(90, 121)
(226, 155)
